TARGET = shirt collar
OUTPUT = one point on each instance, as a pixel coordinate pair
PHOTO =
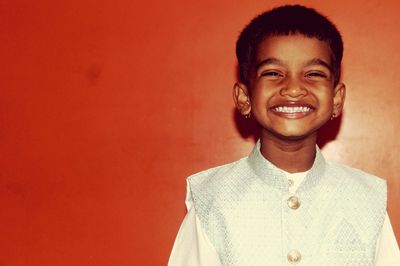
(275, 176)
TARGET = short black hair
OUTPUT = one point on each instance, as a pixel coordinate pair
(287, 20)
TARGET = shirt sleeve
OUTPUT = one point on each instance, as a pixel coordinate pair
(387, 251)
(192, 246)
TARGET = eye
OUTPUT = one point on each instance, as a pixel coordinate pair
(272, 74)
(316, 74)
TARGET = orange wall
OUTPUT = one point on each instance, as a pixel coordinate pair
(106, 107)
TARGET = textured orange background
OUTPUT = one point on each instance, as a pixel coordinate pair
(106, 107)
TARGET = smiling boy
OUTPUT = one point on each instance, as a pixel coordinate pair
(285, 204)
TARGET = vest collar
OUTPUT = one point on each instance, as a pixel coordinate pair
(275, 177)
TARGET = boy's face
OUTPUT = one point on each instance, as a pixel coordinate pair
(291, 91)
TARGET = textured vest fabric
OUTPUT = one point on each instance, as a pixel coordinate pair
(243, 208)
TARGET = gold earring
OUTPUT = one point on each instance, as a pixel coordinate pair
(333, 116)
(249, 114)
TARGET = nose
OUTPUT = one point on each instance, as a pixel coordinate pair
(293, 88)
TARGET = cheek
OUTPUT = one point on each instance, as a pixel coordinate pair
(325, 97)
(261, 93)
(259, 101)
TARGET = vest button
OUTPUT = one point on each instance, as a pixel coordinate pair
(293, 202)
(294, 257)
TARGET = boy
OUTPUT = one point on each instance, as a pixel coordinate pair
(284, 204)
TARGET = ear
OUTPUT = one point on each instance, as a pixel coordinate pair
(338, 99)
(241, 98)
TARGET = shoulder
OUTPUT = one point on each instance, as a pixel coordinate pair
(217, 174)
(209, 186)
(353, 178)
(355, 174)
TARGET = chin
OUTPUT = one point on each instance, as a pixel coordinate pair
(293, 136)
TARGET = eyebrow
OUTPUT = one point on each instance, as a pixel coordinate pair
(312, 62)
(269, 61)
(320, 62)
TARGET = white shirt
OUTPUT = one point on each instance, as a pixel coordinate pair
(193, 248)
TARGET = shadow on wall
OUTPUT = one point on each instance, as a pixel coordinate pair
(249, 129)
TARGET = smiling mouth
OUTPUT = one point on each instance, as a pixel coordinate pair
(292, 111)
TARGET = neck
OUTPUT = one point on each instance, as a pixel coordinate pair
(292, 156)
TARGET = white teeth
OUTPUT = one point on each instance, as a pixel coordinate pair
(295, 109)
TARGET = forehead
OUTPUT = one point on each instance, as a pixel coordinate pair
(293, 48)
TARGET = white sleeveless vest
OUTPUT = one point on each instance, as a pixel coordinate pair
(249, 216)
